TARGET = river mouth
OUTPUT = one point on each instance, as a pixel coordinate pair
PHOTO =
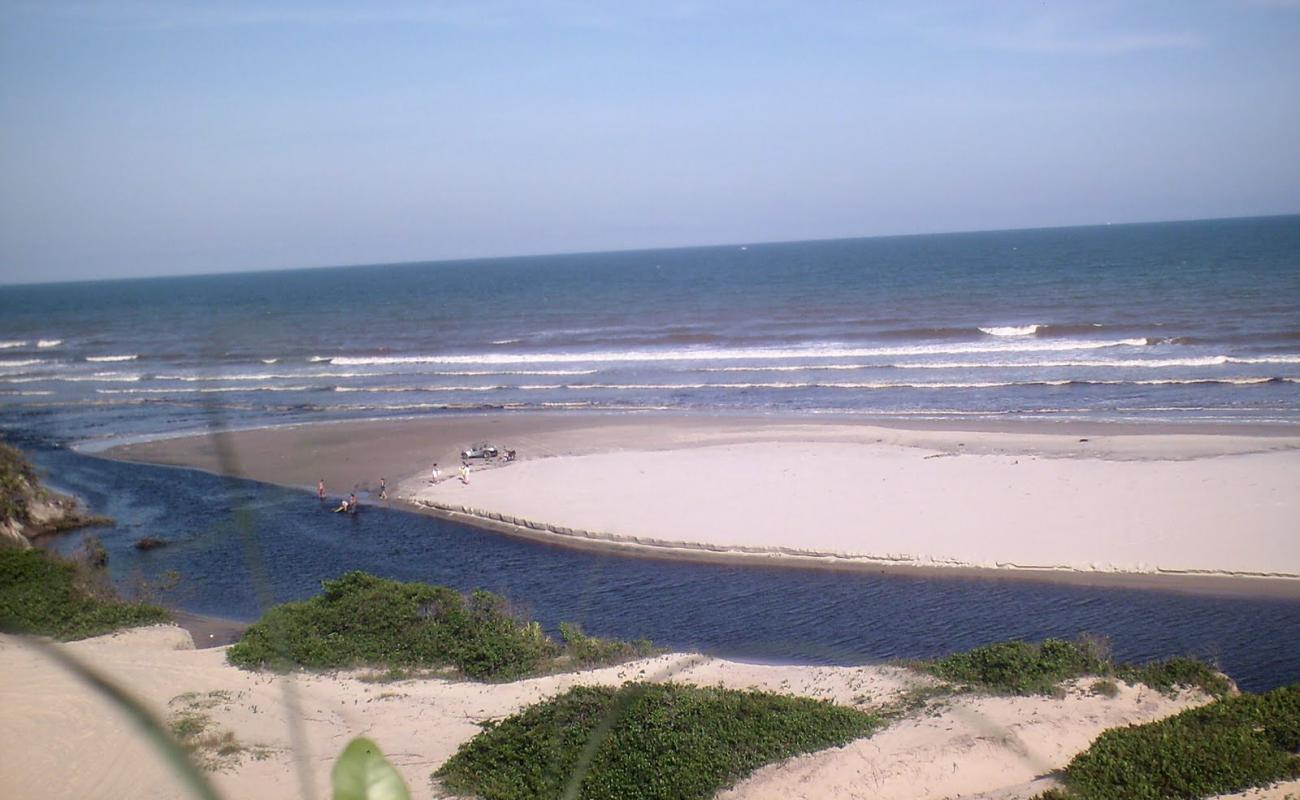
(240, 545)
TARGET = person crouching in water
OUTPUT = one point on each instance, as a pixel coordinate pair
(349, 505)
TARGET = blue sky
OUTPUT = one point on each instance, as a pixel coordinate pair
(143, 138)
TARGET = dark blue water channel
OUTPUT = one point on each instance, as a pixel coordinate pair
(747, 612)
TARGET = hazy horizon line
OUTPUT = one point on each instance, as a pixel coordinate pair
(756, 243)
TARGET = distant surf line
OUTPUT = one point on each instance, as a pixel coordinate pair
(722, 354)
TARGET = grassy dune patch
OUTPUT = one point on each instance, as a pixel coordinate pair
(1229, 745)
(48, 596)
(644, 740)
(1025, 668)
(363, 620)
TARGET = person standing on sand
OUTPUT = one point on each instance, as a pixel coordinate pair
(383, 489)
(464, 473)
(436, 474)
(320, 489)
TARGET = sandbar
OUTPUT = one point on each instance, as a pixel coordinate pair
(1206, 509)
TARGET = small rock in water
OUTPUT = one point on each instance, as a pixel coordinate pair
(149, 543)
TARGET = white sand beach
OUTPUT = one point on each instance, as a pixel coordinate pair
(918, 506)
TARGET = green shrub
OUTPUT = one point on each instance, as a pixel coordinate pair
(364, 620)
(43, 595)
(1022, 667)
(1171, 674)
(644, 741)
(589, 650)
(1226, 746)
(1028, 668)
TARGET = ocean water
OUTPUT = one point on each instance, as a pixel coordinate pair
(1172, 322)
(1195, 322)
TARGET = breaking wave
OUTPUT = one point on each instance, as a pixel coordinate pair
(1128, 363)
(734, 354)
(1244, 381)
(211, 389)
(1011, 330)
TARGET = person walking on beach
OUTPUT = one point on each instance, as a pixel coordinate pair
(436, 474)
(383, 489)
(320, 489)
(464, 473)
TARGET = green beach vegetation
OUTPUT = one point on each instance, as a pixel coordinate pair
(28, 509)
(644, 740)
(1025, 668)
(19, 486)
(64, 599)
(361, 620)
(1232, 744)
(43, 594)
(208, 746)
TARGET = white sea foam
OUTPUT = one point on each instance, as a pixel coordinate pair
(234, 377)
(1265, 360)
(793, 368)
(268, 376)
(49, 343)
(1011, 330)
(506, 341)
(810, 385)
(1127, 363)
(391, 389)
(1122, 363)
(99, 359)
(7, 345)
(829, 350)
(491, 372)
(270, 360)
(21, 362)
(318, 359)
(98, 377)
(208, 390)
(26, 393)
(785, 385)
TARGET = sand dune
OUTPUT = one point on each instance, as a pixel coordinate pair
(64, 742)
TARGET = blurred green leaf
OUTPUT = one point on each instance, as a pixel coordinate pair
(362, 773)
